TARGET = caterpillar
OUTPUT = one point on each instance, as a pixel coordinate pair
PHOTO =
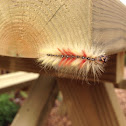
(67, 57)
(76, 62)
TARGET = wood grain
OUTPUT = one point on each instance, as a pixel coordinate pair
(20, 64)
(27, 24)
(108, 24)
(16, 80)
(91, 105)
(113, 69)
(44, 90)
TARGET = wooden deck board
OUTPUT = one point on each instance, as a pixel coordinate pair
(15, 80)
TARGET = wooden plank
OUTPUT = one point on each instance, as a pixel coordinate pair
(43, 91)
(15, 80)
(20, 64)
(93, 105)
(113, 69)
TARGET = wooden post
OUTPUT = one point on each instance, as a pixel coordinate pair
(95, 104)
(41, 99)
(91, 105)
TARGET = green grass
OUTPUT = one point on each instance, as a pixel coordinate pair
(8, 110)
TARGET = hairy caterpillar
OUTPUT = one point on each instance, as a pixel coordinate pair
(78, 62)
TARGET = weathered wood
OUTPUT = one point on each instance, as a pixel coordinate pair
(15, 80)
(44, 90)
(93, 105)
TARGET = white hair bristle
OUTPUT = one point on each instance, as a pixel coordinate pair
(77, 60)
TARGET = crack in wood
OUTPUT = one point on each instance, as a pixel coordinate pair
(54, 14)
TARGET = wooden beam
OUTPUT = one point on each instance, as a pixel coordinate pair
(94, 105)
(36, 106)
(26, 25)
(108, 24)
(113, 69)
(20, 64)
(68, 19)
(58, 21)
(15, 80)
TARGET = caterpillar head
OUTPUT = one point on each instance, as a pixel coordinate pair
(102, 58)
